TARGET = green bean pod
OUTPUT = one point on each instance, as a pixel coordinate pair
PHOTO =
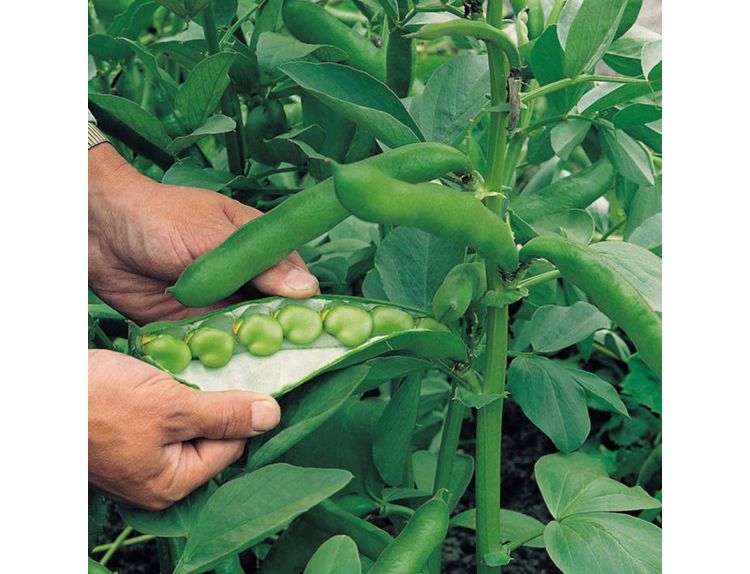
(373, 196)
(481, 30)
(312, 24)
(608, 288)
(266, 240)
(576, 191)
(424, 532)
(463, 285)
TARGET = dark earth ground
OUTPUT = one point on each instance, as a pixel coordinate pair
(523, 444)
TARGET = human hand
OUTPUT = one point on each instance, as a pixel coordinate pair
(153, 440)
(142, 235)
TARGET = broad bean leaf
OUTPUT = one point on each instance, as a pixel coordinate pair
(175, 521)
(474, 400)
(551, 399)
(624, 55)
(604, 542)
(185, 9)
(638, 266)
(608, 94)
(384, 369)
(203, 88)
(651, 60)
(595, 386)
(513, 525)
(275, 49)
(214, 125)
(586, 29)
(337, 555)
(632, 9)
(135, 117)
(636, 115)
(95, 568)
(424, 464)
(105, 47)
(568, 135)
(161, 79)
(294, 548)
(629, 157)
(393, 434)
(205, 178)
(554, 327)
(97, 514)
(411, 265)
(645, 203)
(643, 385)
(244, 511)
(304, 410)
(453, 96)
(547, 63)
(648, 234)
(578, 483)
(131, 23)
(358, 97)
(372, 286)
(574, 224)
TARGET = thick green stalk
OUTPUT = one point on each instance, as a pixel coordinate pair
(115, 545)
(232, 138)
(446, 458)
(490, 418)
(582, 79)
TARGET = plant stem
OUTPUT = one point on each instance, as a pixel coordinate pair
(541, 278)
(583, 78)
(612, 229)
(524, 539)
(232, 138)
(128, 542)
(490, 418)
(115, 545)
(236, 26)
(446, 458)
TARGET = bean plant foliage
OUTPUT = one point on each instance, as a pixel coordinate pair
(560, 117)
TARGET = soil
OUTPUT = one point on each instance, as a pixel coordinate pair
(523, 444)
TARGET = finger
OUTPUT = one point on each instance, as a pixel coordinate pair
(288, 280)
(201, 460)
(223, 415)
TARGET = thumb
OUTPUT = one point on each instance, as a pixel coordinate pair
(227, 414)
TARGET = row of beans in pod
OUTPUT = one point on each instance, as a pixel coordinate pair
(263, 332)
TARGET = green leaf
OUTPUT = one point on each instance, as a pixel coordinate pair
(424, 465)
(304, 410)
(547, 61)
(203, 88)
(393, 433)
(643, 385)
(412, 264)
(632, 10)
(624, 55)
(337, 555)
(135, 117)
(175, 521)
(551, 399)
(185, 9)
(358, 97)
(206, 178)
(244, 511)
(554, 328)
(578, 483)
(274, 49)
(574, 224)
(105, 47)
(455, 93)
(604, 542)
(651, 60)
(605, 95)
(474, 400)
(586, 29)
(568, 135)
(214, 125)
(638, 266)
(599, 388)
(95, 568)
(497, 558)
(636, 115)
(628, 157)
(513, 525)
(648, 233)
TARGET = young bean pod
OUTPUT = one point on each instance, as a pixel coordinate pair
(266, 240)
(212, 347)
(373, 196)
(463, 285)
(610, 291)
(423, 533)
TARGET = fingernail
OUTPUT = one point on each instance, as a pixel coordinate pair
(266, 415)
(299, 280)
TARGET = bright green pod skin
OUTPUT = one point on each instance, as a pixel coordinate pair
(261, 334)
(387, 320)
(212, 347)
(266, 240)
(431, 324)
(615, 296)
(576, 191)
(463, 285)
(424, 532)
(301, 324)
(374, 196)
(170, 352)
(350, 324)
(312, 24)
